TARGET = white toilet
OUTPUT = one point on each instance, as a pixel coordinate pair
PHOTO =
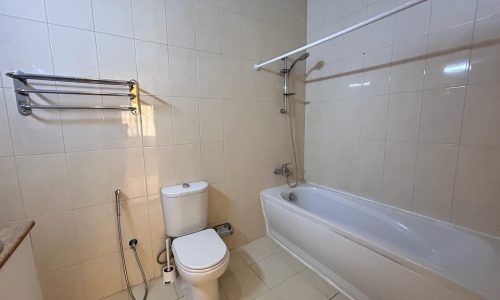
(200, 254)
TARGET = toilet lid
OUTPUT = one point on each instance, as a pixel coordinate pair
(200, 250)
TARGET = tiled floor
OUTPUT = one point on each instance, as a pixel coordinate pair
(259, 270)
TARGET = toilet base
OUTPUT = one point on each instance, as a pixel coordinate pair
(205, 291)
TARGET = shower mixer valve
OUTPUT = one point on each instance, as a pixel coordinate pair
(283, 170)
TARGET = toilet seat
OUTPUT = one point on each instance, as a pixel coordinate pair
(200, 252)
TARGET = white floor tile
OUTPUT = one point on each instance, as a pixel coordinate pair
(253, 252)
(236, 263)
(156, 291)
(267, 296)
(324, 287)
(273, 270)
(270, 243)
(242, 285)
(297, 288)
(290, 260)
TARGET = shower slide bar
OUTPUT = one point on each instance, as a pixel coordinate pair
(25, 107)
(343, 32)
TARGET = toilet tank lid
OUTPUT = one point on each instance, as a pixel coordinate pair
(184, 189)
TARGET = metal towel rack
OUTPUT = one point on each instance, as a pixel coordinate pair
(25, 107)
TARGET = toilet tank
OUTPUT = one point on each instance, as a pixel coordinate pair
(185, 208)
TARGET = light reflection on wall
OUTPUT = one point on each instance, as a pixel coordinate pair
(129, 120)
(456, 68)
(359, 84)
(148, 120)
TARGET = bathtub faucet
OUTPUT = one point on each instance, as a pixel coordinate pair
(283, 170)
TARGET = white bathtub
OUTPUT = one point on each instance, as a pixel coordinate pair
(372, 251)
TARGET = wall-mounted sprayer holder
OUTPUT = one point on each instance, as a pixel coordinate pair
(223, 230)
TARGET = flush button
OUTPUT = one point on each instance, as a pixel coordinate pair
(186, 185)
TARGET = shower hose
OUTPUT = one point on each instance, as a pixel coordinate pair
(133, 245)
(292, 185)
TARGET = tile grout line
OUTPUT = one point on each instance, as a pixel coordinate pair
(462, 116)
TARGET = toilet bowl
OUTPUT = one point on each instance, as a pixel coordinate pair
(201, 258)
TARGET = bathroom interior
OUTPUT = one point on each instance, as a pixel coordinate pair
(249, 149)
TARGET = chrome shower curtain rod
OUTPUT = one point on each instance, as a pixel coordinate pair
(343, 32)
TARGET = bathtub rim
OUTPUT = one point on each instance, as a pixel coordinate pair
(370, 245)
(444, 223)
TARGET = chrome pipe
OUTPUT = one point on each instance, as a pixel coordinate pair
(29, 107)
(342, 32)
(25, 76)
(37, 91)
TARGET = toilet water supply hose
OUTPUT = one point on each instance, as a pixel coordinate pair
(133, 245)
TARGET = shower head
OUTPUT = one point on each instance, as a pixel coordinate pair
(300, 58)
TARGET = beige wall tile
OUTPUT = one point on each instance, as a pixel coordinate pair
(211, 123)
(481, 120)
(251, 43)
(5, 139)
(135, 220)
(34, 10)
(371, 162)
(102, 276)
(123, 129)
(187, 163)
(231, 32)
(441, 117)
(186, 120)
(154, 27)
(399, 171)
(233, 117)
(374, 117)
(183, 72)
(43, 194)
(434, 179)
(403, 116)
(55, 242)
(157, 120)
(64, 283)
(19, 55)
(96, 227)
(447, 70)
(114, 17)
(477, 176)
(212, 158)
(209, 75)
(407, 76)
(160, 168)
(89, 178)
(11, 202)
(484, 65)
(478, 217)
(217, 203)
(208, 35)
(116, 55)
(181, 23)
(152, 66)
(42, 134)
(231, 78)
(127, 171)
(157, 227)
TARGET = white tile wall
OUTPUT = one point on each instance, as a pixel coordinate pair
(429, 112)
(205, 115)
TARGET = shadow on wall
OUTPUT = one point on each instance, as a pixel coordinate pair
(320, 64)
